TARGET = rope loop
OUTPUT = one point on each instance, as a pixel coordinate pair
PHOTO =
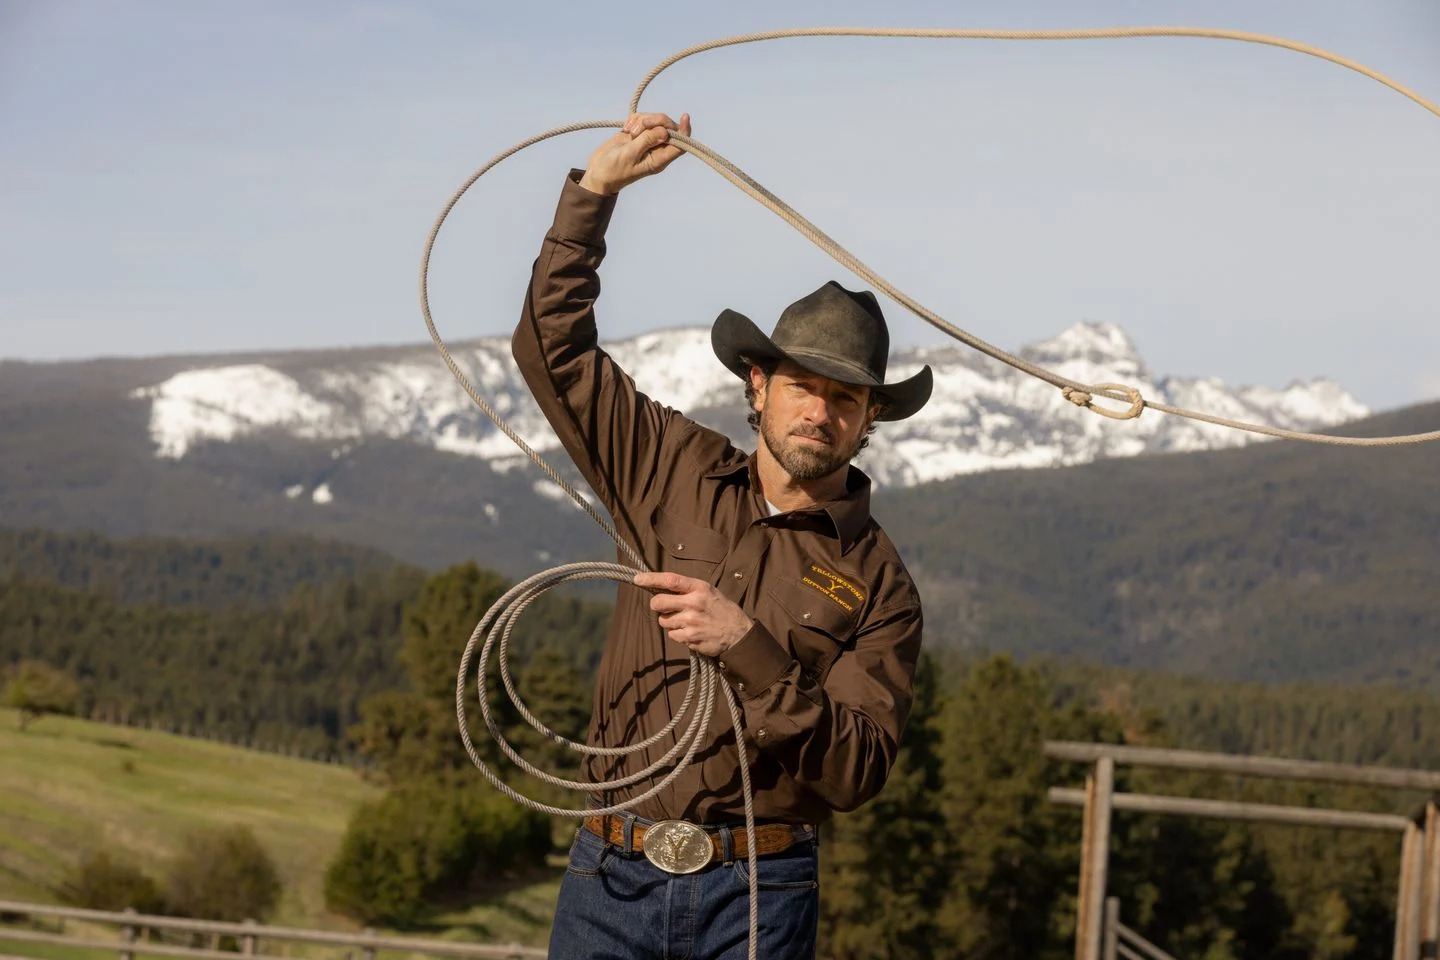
(1086, 399)
(703, 693)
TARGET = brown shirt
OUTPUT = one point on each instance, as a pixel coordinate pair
(825, 674)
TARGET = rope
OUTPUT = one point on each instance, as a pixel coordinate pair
(495, 627)
(1073, 390)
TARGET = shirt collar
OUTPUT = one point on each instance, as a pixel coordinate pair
(848, 515)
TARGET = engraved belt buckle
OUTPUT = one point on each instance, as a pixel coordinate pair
(678, 847)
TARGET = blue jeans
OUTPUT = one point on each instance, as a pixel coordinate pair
(615, 905)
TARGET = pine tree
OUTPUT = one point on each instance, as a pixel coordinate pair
(439, 623)
(884, 877)
(1006, 875)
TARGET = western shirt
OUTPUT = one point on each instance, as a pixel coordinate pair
(825, 674)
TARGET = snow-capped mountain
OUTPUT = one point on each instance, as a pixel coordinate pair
(983, 416)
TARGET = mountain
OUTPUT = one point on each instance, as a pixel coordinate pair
(1277, 561)
(378, 446)
(984, 415)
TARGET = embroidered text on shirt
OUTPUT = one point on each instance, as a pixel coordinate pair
(834, 586)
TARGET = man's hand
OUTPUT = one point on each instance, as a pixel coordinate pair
(640, 149)
(694, 613)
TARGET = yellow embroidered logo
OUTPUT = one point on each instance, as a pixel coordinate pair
(834, 586)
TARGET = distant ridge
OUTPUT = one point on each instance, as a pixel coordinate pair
(984, 415)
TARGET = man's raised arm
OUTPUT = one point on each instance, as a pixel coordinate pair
(612, 433)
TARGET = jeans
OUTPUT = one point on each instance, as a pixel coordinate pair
(615, 905)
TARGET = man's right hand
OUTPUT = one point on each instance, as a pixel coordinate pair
(640, 149)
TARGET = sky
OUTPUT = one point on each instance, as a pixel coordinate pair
(181, 177)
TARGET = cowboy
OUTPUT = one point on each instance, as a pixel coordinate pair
(768, 562)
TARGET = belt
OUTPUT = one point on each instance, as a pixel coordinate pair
(682, 847)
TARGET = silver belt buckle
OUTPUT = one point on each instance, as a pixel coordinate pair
(678, 847)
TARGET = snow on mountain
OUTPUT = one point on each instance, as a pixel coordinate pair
(984, 415)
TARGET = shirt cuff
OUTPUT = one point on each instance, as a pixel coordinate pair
(755, 663)
(581, 215)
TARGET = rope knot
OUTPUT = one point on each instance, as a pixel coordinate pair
(1086, 399)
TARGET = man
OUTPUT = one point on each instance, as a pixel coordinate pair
(770, 563)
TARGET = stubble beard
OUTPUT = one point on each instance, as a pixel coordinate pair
(802, 461)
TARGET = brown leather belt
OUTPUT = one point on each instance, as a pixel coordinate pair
(769, 837)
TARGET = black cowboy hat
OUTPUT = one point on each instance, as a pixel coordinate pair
(834, 332)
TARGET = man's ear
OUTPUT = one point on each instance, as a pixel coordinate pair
(758, 382)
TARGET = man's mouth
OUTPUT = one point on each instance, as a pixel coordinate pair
(819, 438)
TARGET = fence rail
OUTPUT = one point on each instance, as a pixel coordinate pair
(248, 935)
(1232, 810)
(1273, 768)
(1123, 943)
(1417, 908)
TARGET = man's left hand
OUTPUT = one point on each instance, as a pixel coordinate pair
(694, 613)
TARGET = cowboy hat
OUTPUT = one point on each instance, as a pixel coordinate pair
(837, 333)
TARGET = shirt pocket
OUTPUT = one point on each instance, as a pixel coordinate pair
(820, 629)
(688, 548)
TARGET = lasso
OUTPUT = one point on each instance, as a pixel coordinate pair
(495, 627)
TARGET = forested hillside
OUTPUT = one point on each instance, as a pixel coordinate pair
(280, 638)
(1285, 561)
(364, 662)
(246, 572)
(290, 676)
(274, 641)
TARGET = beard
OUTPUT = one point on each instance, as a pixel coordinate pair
(805, 461)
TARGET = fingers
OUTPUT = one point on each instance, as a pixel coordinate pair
(652, 130)
(661, 580)
(638, 123)
(678, 593)
(646, 141)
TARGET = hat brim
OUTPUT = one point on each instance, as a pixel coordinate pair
(738, 342)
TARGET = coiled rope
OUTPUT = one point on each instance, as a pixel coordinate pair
(496, 625)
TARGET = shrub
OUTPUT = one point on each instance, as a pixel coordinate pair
(223, 873)
(35, 689)
(101, 881)
(427, 843)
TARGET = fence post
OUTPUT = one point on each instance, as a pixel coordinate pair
(1087, 840)
(1112, 927)
(1430, 904)
(128, 934)
(1094, 858)
(1407, 899)
(368, 951)
(247, 942)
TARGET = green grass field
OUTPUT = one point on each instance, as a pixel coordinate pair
(69, 786)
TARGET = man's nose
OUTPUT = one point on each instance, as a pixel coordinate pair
(818, 411)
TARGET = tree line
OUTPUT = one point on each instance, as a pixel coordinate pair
(961, 855)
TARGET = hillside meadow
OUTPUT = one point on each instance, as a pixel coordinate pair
(70, 786)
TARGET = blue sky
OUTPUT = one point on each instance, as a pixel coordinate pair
(182, 177)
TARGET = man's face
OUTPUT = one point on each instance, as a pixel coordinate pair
(811, 425)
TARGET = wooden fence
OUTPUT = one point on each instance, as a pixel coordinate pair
(1417, 910)
(1121, 943)
(249, 937)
